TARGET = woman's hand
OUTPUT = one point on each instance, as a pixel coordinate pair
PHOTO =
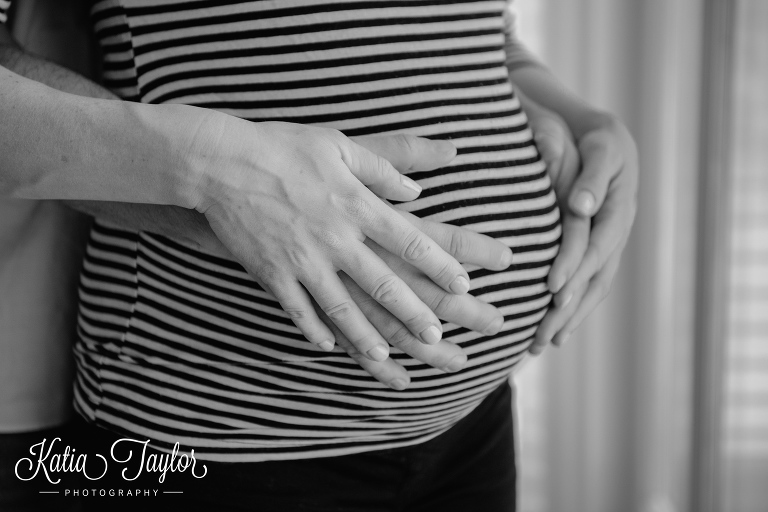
(294, 205)
(602, 195)
(462, 310)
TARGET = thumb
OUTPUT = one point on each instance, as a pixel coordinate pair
(550, 138)
(600, 164)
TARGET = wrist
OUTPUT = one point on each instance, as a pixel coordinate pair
(178, 139)
(548, 92)
(210, 151)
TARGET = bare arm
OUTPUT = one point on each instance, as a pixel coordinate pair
(62, 145)
(172, 221)
(596, 184)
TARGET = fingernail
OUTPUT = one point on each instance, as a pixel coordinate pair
(378, 353)
(495, 326)
(431, 335)
(565, 301)
(460, 285)
(557, 283)
(584, 203)
(326, 345)
(455, 364)
(446, 147)
(506, 258)
(398, 384)
(562, 340)
(409, 183)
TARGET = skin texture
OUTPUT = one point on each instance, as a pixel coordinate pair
(405, 152)
(595, 177)
(569, 133)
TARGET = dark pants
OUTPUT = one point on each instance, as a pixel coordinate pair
(31, 496)
(470, 467)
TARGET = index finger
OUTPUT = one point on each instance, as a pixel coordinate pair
(463, 244)
(601, 163)
(610, 230)
(443, 355)
(575, 228)
(409, 153)
(395, 234)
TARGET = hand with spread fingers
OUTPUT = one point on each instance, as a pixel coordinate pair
(409, 153)
(462, 310)
(294, 207)
(596, 182)
(387, 314)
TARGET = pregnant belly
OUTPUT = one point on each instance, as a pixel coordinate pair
(202, 351)
(174, 342)
(497, 185)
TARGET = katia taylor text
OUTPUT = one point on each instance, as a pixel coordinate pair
(54, 458)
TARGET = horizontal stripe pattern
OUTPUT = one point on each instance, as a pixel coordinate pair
(182, 346)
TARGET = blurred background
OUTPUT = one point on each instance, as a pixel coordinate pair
(660, 402)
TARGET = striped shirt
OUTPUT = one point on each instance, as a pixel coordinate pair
(181, 346)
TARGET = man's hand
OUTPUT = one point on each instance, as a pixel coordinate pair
(603, 194)
(294, 204)
(410, 153)
(256, 163)
(462, 310)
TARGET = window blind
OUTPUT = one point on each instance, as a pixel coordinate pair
(745, 422)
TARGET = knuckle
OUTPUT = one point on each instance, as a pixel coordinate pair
(356, 207)
(386, 290)
(446, 272)
(407, 145)
(331, 135)
(446, 305)
(415, 247)
(300, 260)
(363, 343)
(295, 312)
(339, 312)
(459, 245)
(354, 353)
(382, 168)
(269, 273)
(330, 239)
(400, 336)
(322, 141)
(406, 142)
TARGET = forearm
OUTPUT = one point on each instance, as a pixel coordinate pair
(537, 83)
(55, 145)
(173, 221)
(16, 59)
(181, 224)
